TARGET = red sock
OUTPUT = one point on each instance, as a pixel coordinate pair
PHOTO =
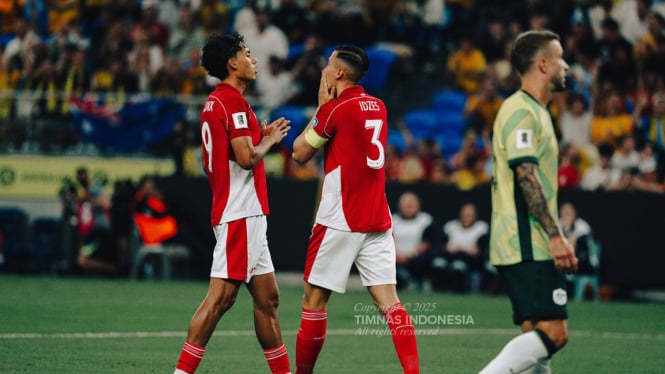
(310, 339)
(278, 360)
(404, 337)
(190, 357)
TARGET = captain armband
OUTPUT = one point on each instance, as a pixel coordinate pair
(314, 139)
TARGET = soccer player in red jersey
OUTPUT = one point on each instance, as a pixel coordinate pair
(233, 147)
(353, 222)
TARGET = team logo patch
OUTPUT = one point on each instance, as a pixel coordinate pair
(559, 296)
(524, 139)
(239, 120)
(316, 122)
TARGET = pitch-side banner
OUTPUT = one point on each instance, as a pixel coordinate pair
(41, 177)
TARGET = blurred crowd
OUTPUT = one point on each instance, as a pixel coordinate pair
(609, 120)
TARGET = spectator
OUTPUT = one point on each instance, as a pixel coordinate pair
(167, 81)
(611, 121)
(575, 121)
(97, 252)
(149, 27)
(467, 65)
(150, 213)
(185, 38)
(469, 148)
(650, 47)
(481, 107)
(291, 19)
(625, 156)
(655, 129)
(275, 88)
(459, 265)
(647, 177)
(75, 78)
(214, 16)
(599, 12)
(600, 176)
(392, 162)
(244, 21)
(22, 43)
(306, 72)
(493, 40)
(114, 43)
(580, 39)
(413, 240)
(472, 175)
(410, 168)
(440, 172)
(194, 75)
(115, 83)
(633, 17)
(61, 13)
(45, 87)
(268, 40)
(617, 65)
(13, 130)
(568, 174)
(579, 234)
(145, 60)
(428, 152)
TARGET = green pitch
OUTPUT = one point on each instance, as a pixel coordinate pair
(58, 325)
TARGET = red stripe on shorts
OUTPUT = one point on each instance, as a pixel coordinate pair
(236, 250)
(318, 232)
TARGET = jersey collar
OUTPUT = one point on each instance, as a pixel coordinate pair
(352, 91)
(531, 97)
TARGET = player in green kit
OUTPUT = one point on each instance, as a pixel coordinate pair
(527, 244)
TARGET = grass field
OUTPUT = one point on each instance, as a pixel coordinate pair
(71, 325)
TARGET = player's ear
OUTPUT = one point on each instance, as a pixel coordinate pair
(231, 63)
(542, 64)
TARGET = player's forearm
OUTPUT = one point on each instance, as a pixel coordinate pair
(302, 151)
(535, 198)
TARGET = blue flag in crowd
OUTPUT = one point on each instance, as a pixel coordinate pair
(134, 127)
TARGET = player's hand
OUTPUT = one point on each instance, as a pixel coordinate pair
(277, 129)
(326, 93)
(563, 254)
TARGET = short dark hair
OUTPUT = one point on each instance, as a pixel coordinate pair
(356, 59)
(527, 45)
(217, 51)
(610, 24)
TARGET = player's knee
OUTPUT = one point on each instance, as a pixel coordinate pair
(555, 338)
(223, 303)
(269, 303)
(559, 337)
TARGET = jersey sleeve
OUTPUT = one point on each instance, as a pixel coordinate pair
(323, 126)
(519, 137)
(237, 117)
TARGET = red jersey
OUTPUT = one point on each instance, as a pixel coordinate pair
(354, 196)
(236, 192)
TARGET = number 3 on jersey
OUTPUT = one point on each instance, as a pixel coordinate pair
(375, 125)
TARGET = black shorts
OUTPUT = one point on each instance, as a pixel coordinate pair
(537, 291)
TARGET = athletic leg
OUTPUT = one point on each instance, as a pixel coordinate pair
(221, 295)
(265, 293)
(401, 327)
(313, 322)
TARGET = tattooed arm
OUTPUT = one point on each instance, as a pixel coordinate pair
(535, 198)
(562, 251)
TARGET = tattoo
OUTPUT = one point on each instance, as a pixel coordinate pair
(535, 197)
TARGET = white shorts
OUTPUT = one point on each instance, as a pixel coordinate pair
(241, 251)
(331, 253)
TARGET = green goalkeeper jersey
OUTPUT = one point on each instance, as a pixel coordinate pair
(523, 131)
